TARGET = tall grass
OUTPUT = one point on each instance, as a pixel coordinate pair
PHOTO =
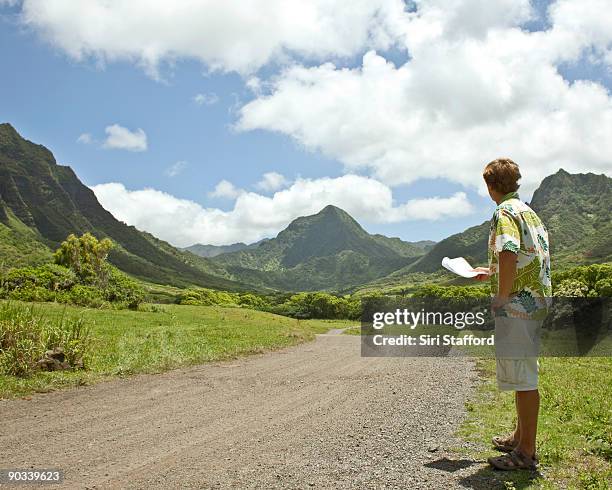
(574, 436)
(26, 334)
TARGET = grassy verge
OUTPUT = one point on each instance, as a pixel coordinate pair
(169, 336)
(574, 435)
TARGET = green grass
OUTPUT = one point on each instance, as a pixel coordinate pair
(170, 336)
(574, 433)
(20, 246)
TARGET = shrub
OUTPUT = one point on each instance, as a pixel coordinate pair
(250, 300)
(31, 293)
(86, 256)
(603, 287)
(122, 289)
(86, 296)
(571, 288)
(25, 336)
(319, 305)
(208, 297)
(53, 282)
(453, 292)
(587, 280)
(49, 276)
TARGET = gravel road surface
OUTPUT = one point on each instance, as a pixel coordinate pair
(317, 415)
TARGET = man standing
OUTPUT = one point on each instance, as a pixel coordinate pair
(519, 271)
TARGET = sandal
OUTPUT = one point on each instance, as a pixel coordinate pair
(514, 460)
(504, 444)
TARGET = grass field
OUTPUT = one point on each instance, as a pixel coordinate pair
(575, 424)
(170, 336)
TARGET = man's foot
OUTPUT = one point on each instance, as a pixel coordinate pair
(505, 444)
(515, 460)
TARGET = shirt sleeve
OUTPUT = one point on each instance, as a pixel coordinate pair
(507, 233)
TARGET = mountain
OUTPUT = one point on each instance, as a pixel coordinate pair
(328, 250)
(576, 210)
(574, 207)
(214, 250)
(471, 244)
(42, 202)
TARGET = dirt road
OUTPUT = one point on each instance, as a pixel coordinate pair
(313, 416)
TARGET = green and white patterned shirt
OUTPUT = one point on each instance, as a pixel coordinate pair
(517, 228)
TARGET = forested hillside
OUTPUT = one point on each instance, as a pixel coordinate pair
(42, 202)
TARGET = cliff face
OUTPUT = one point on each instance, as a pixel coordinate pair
(51, 201)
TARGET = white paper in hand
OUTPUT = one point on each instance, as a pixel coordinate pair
(459, 266)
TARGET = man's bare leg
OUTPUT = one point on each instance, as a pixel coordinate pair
(516, 435)
(528, 406)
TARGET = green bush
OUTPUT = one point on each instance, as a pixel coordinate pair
(53, 282)
(588, 280)
(302, 305)
(49, 276)
(208, 297)
(31, 293)
(319, 305)
(453, 292)
(571, 288)
(86, 296)
(123, 290)
(25, 336)
(250, 300)
(86, 256)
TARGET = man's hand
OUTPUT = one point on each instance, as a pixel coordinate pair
(483, 275)
(498, 302)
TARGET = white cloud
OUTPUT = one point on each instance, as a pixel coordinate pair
(120, 138)
(580, 24)
(254, 216)
(230, 36)
(206, 99)
(225, 189)
(476, 88)
(176, 168)
(85, 139)
(271, 181)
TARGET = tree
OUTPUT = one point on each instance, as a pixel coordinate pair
(86, 256)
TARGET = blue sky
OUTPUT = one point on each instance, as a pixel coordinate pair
(52, 98)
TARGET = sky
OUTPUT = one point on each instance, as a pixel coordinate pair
(217, 122)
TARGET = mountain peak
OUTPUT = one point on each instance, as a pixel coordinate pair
(332, 218)
(563, 181)
(7, 127)
(330, 208)
(330, 212)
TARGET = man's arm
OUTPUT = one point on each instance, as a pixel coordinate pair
(506, 275)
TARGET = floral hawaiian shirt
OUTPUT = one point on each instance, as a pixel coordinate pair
(517, 228)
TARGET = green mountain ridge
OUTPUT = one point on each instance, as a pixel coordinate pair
(42, 202)
(574, 207)
(47, 202)
(209, 251)
(328, 250)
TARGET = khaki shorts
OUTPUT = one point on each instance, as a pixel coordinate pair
(517, 343)
(517, 374)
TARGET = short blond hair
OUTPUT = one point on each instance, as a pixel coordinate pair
(502, 174)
